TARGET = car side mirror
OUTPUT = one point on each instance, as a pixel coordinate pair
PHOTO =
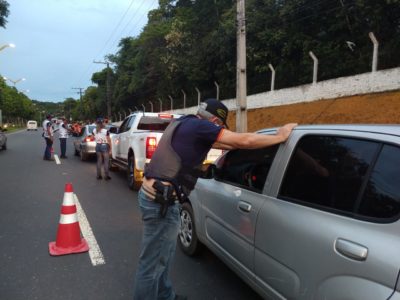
(207, 171)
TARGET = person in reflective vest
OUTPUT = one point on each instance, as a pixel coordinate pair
(168, 180)
(63, 135)
(48, 136)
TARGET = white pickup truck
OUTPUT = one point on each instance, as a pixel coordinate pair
(135, 142)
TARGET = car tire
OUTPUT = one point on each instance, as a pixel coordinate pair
(82, 155)
(130, 174)
(5, 146)
(187, 237)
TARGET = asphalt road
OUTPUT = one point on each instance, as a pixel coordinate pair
(31, 193)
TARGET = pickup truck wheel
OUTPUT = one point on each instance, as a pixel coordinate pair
(187, 237)
(131, 172)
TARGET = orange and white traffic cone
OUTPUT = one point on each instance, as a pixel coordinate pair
(68, 239)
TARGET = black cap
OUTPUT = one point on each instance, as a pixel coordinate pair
(216, 108)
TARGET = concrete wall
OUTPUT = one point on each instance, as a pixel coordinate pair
(380, 81)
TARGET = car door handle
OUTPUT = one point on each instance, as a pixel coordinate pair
(351, 250)
(244, 206)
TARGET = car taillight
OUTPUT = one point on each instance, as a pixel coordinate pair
(165, 116)
(151, 145)
(90, 138)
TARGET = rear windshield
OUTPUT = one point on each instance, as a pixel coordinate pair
(32, 123)
(91, 128)
(153, 123)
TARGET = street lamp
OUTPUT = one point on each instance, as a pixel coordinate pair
(7, 45)
(14, 81)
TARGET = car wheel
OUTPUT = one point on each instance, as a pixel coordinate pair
(187, 237)
(5, 146)
(132, 174)
(83, 155)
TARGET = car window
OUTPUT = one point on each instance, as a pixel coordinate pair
(246, 168)
(154, 123)
(123, 126)
(130, 122)
(332, 173)
(382, 194)
(91, 128)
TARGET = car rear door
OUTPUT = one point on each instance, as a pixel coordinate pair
(331, 229)
(124, 138)
(231, 204)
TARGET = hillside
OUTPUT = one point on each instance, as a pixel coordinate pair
(379, 108)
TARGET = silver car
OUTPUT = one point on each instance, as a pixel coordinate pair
(84, 142)
(314, 218)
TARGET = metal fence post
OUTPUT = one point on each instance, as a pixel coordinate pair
(272, 77)
(375, 53)
(315, 70)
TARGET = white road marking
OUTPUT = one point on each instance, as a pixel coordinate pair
(58, 162)
(96, 256)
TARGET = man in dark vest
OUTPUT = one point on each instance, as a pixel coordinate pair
(168, 180)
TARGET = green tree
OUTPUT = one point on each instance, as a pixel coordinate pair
(3, 13)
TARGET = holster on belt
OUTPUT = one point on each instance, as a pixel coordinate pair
(164, 196)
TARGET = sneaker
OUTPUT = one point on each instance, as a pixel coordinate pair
(107, 178)
(99, 177)
(180, 297)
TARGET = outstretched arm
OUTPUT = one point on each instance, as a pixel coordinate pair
(232, 140)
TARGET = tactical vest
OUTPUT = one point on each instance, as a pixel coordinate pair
(166, 164)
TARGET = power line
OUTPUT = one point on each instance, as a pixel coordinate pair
(118, 38)
(152, 4)
(90, 66)
(115, 28)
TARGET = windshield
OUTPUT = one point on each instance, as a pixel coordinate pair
(153, 123)
(91, 128)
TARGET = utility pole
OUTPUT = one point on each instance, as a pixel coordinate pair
(80, 92)
(108, 90)
(241, 84)
(80, 98)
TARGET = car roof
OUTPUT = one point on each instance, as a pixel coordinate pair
(391, 129)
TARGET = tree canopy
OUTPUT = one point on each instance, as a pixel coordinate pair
(3, 13)
(191, 44)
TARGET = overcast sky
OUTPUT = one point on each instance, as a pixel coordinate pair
(57, 41)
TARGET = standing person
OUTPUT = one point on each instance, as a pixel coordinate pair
(48, 136)
(103, 148)
(63, 135)
(169, 178)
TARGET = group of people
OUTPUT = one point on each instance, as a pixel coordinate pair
(168, 180)
(48, 134)
(102, 137)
